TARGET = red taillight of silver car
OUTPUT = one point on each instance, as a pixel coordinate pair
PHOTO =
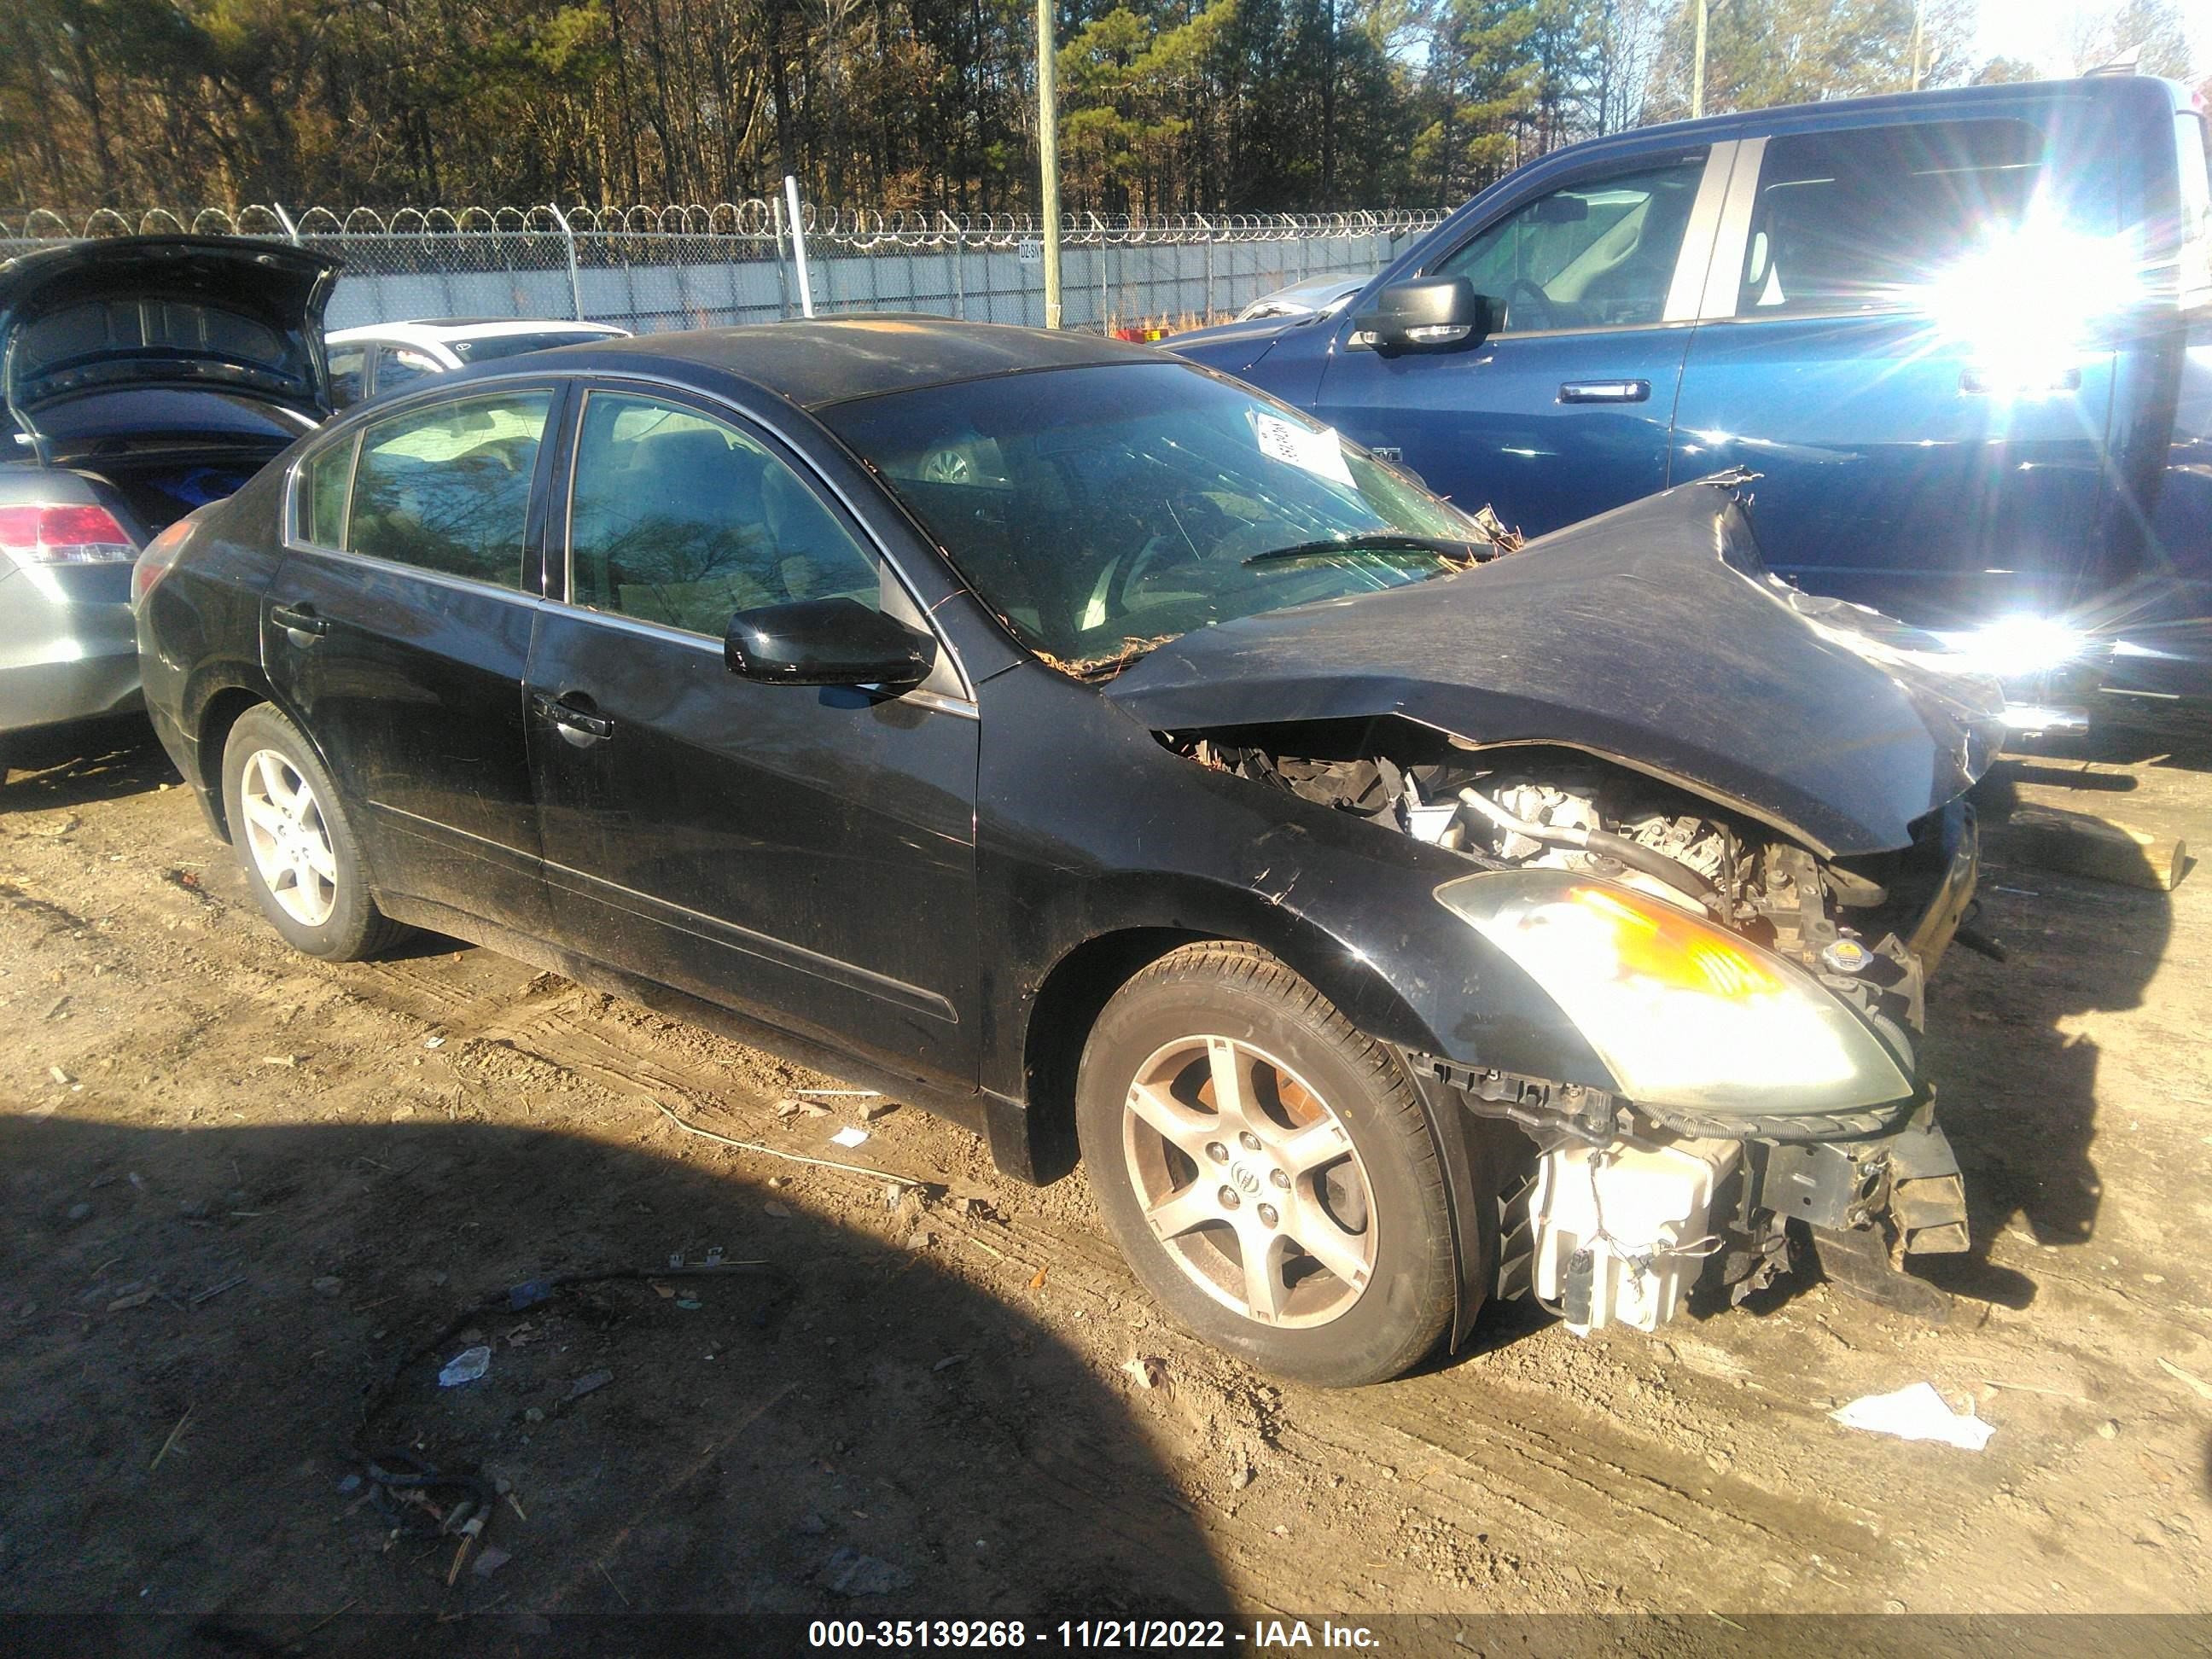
(52, 533)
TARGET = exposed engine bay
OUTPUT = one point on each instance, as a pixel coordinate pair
(1625, 1203)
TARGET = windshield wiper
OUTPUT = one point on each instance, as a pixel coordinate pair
(1380, 541)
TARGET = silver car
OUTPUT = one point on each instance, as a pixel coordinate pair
(145, 377)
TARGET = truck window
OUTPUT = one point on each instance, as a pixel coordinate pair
(2195, 144)
(1596, 254)
(1866, 219)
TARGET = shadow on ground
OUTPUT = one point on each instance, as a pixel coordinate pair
(202, 1323)
(2011, 1049)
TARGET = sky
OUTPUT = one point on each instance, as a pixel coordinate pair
(2040, 30)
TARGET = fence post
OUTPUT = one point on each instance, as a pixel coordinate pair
(1099, 225)
(959, 255)
(797, 246)
(291, 230)
(1207, 226)
(569, 236)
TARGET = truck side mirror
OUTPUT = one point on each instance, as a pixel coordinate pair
(1424, 312)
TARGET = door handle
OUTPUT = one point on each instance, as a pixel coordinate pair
(1605, 392)
(299, 623)
(580, 727)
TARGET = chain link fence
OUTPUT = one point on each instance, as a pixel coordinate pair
(701, 266)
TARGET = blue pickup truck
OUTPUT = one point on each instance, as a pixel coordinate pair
(1964, 337)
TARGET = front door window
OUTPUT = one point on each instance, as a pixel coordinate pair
(1596, 254)
(681, 519)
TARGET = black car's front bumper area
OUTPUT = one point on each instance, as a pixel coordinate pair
(1910, 1176)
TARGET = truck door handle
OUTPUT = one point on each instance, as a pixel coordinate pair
(580, 727)
(1605, 392)
(299, 623)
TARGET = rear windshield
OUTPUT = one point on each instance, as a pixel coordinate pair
(514, 346)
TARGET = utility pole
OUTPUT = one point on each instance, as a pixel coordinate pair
(1919, 34)
(1049, 161)
(1698, 68)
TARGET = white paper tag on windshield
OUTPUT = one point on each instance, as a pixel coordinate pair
(1320, 453)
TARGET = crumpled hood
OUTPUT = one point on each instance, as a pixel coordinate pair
(1652, 636)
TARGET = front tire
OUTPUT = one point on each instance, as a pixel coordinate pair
(294, 840)
(1267, 1168)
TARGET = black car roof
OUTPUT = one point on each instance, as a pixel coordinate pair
(833, 360)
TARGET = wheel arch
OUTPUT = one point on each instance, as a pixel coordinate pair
(1056, 1022)
(219, 705)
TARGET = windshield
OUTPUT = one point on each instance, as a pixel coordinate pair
(1102, 511)
(485, 347)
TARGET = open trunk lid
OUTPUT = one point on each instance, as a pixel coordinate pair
(153, 339)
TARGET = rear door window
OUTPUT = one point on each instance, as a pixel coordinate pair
(447, 488)
(320, 508)
(1870, 218)
(346, 363)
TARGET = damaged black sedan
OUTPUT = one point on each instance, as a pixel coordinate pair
(1107, 756)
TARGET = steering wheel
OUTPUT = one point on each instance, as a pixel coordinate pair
(1540, 304)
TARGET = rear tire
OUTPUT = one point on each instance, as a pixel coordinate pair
(293, 841)
(1305, 1227)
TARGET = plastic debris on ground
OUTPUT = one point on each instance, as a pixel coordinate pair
(1147, 1371)
(528, 1294)
(849, 1136)
(466, 1366)
(1916, 1413)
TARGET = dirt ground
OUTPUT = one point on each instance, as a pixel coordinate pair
(252, 1204)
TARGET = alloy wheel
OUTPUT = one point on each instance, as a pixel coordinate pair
(288, 840)
(1250, 1182)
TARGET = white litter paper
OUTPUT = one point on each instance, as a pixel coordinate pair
(1916, 1413)
(1320, 453)
(849, 1136)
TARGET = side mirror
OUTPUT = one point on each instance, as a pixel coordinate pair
(1424, 311)
(827, 642)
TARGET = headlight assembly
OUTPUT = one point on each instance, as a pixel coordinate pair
(1684, 1014)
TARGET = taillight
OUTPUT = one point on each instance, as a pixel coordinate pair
(159, 558)
(54, 534)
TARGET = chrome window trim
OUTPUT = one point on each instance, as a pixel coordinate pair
(440, 578)
(1724, 279)
(706, 642)
(807, 473)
